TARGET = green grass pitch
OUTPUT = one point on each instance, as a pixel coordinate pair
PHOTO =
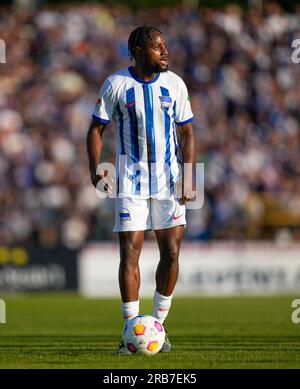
(68, 331)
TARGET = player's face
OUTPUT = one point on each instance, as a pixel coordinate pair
(154, 56)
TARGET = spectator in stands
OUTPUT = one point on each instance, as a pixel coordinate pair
(244, 94)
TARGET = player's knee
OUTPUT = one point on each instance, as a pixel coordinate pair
(129, 265)
(129, 255)
(170, 254)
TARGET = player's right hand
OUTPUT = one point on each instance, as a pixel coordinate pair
(95, 178)
(103, 182)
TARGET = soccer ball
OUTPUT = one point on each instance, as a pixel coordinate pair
(144, 335)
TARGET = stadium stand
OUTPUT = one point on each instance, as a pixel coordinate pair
(245, 96)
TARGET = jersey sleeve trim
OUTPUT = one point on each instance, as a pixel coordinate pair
(185, 122)
(100, 120)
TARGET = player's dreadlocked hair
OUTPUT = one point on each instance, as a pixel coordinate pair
(139, 37)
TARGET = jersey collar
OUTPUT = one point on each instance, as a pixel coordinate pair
(139, 79)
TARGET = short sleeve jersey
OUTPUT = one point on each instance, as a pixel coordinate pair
(145, 114)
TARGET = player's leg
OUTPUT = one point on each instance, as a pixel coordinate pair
(169, 241)
(131, 219)
(131, 243)
(168, 218)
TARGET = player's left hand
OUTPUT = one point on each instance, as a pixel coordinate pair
(188, 191)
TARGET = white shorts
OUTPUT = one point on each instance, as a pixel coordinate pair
(134, 214)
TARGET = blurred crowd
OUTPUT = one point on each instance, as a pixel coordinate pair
(245, 96)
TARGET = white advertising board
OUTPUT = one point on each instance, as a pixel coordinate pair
(215, 269)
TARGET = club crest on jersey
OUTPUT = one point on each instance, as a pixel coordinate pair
(165, 102)
(124, 216)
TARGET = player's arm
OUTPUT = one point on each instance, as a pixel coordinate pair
(94, 148)
(102, 114)
(188, 153)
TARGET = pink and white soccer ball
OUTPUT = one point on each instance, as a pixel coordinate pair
(144, 335)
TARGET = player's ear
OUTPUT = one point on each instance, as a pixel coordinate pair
(137, 52)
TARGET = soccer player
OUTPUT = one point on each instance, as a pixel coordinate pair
(146, 102)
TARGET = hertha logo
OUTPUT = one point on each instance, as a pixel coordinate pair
(124, 217)
(165, 102)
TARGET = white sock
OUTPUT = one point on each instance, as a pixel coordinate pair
(161, 306)
(130, 309)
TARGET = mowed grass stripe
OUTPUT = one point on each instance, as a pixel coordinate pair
(68, 331)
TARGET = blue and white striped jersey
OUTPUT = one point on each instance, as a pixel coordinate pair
(145, 114)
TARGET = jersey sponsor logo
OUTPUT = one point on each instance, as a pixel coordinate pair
(124, 216)
(130, 104)
(165, 102)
